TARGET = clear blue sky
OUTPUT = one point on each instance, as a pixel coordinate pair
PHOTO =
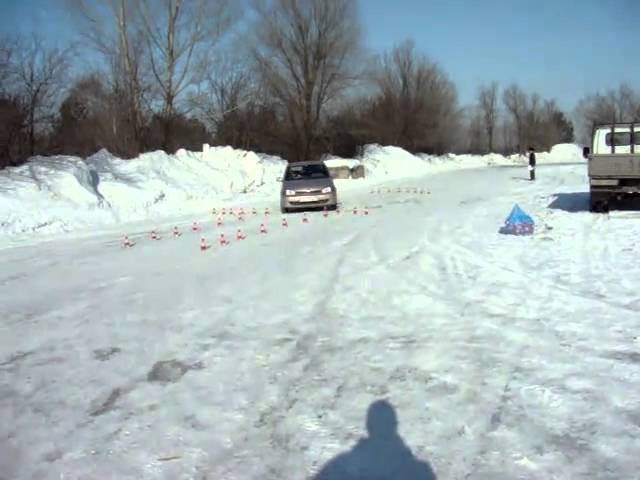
(559, 48)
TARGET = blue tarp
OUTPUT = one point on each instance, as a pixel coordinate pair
(518, 223)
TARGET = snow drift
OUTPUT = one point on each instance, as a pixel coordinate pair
(62, 193)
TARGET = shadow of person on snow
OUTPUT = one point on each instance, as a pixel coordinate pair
(382, 455)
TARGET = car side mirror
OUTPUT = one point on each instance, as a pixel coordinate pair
(585, 152)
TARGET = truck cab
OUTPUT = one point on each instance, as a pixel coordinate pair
(614, 164)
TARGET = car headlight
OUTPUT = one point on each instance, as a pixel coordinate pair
(289, 193)
(326, 190)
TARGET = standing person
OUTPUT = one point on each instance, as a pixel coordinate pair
(532, 164)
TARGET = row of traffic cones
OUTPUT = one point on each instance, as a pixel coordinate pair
(420, 191)
(240, 212)
(223, 241)
(240, 235)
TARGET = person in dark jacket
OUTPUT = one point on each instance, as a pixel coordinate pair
(532, 164)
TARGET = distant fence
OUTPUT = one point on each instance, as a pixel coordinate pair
(345, 172)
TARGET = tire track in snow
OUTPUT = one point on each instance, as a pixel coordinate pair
(454, 268)
(517, 320)
(456, 279)
(308, 350)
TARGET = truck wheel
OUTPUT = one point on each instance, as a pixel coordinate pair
(599, 206)
(598, 203)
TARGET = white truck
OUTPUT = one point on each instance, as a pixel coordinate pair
(614, 164)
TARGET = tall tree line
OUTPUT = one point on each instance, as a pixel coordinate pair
(287, 77)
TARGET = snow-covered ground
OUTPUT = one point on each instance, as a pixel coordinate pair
(503, 357)
(51, 196)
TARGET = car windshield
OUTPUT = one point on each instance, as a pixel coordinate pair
(302, 172)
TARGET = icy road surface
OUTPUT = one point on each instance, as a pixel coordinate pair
(501, 357)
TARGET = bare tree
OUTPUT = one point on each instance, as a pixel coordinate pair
(7, 54)
(178, 32)
(552, 126)
(507, 135)
(533, 121)
(627, 103)
(488, 103)
(40, 74)
(12, 141)
(516, 103)
(415, 102)
(476, 131)
(83, 124)
(227, 84)
(621, 105)
(113, 28)
(304, 53)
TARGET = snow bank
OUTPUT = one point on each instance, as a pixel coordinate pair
(62, 193)
(54, 194)
(392, 162)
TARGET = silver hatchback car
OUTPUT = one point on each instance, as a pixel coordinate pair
(307, 185)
